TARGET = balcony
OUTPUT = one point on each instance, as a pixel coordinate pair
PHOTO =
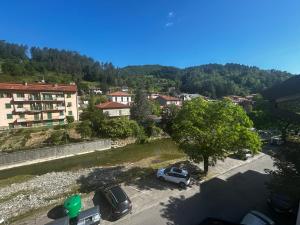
(20, 110)
(61, 117)
(20, 99)
(60, 98)
(61, 107)
(21, 120)
(35, 109)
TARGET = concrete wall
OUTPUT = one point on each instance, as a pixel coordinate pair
(54, 152)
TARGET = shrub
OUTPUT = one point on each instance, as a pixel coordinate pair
(70, 119)
(58, 137)
(84, 129)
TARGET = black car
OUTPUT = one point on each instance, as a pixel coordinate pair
(281, 203)
(118, 201)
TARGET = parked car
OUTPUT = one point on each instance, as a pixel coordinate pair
(276, 140)
(256, 218)
(174, 175)
(118, 200)
(243, 154)
(281, 203)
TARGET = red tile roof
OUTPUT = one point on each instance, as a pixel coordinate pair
(119, 93)
(37, 87)
(169, 98)
(112, 105)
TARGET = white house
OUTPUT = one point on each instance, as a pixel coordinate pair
(165, 100)
(120, 97)
(114, 109)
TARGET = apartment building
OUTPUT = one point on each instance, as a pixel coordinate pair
(36, 104)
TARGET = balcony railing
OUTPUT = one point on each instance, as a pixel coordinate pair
(20, 110)
(20, 120)
(20, 99)
(60, 107)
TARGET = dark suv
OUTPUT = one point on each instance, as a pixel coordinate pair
(118, 201)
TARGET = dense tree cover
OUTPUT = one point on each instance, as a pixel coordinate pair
(267, 114)
(213, 80)
(216, 80)
(210, 130)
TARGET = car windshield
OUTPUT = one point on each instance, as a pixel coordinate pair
(176, 170)
(119, 194)
(167, 170)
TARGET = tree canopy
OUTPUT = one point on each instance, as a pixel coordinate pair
(210, 130)
(59, 65)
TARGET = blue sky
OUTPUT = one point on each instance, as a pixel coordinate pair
(264, 33)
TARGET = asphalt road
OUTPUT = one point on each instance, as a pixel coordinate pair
(229, 196)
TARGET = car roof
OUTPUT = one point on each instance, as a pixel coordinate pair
(256, 218)
(118, 193)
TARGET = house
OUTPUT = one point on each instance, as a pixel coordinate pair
(188, 97)
(114, 109)
(165, 100)
(36, 104)
(120, 97)
(96, 91)
(153, 96)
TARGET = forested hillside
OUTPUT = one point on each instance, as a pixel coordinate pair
(18, 62)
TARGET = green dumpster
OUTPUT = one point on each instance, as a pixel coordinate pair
(72, 206)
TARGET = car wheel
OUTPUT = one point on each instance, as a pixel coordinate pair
(161, 179)
(182, 185)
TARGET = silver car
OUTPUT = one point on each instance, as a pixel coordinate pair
(174, 175)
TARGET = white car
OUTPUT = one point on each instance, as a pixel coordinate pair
(174, 175)
(256, 218)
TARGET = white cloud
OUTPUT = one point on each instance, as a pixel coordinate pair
(171, 14)
(169, 24)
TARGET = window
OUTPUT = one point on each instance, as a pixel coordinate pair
(22, 116)
(36, 117)
(20, 95)
(49, 115)
(61, 113)
(9, 116)
(7, 105)
(69, 104)
(70, 113)
(20, 106)
(69, 95)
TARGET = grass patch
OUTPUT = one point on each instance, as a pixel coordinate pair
(15, 179)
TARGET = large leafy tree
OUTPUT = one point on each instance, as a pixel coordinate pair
(286, 177)
(210, 130)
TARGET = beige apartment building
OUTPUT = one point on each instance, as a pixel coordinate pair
(36, 104)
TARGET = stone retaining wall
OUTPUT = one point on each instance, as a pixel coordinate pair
(53, 152)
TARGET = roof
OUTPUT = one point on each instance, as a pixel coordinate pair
(169, 98)
(37, 87)
(119, 93)
(112, 105)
